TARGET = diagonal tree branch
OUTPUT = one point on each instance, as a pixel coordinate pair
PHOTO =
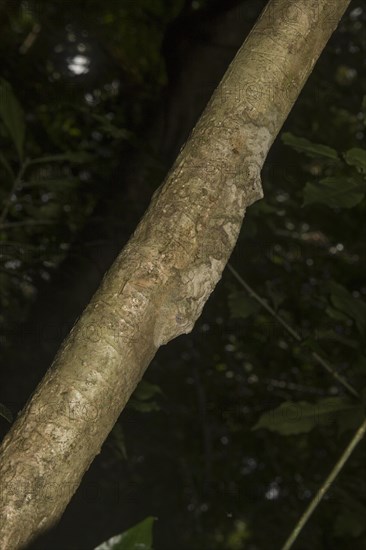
(340, 379)
(159, 283)
(325, 486)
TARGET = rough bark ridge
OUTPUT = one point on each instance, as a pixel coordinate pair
(158, 285)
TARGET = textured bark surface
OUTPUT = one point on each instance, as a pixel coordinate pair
(158, 285)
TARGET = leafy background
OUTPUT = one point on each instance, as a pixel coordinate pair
(235, 426)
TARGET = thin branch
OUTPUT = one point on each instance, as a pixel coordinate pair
(326, 485)
(30, 39)
(294, 334)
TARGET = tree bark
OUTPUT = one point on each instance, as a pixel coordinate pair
(168, 123)
(159, 283)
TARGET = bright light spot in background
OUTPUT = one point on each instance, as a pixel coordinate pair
(249, 465)
(357, 12)
(79, 64)
(93, 98)
(89, 99)
(273, 491)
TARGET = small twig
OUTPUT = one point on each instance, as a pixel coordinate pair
(324, 488)
(30, 39)
(294, 334)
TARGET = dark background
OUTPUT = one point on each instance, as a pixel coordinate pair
(116, 86)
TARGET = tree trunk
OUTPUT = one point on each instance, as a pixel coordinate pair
(159, 283)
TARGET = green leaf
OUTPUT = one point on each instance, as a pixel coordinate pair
(241, 305)
(49, 210)
(346, 303)
(311, 149)
(143, 406)
(356, 157)
(119, 443)
(142, 399)
(138, 537)
(328, 334)
(335, 314)
(110, 129)
(301, 417)
(12, 115)
(146, 390)
(6, 413)
(335, 191)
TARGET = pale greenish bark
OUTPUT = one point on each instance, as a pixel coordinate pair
(160, 282)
